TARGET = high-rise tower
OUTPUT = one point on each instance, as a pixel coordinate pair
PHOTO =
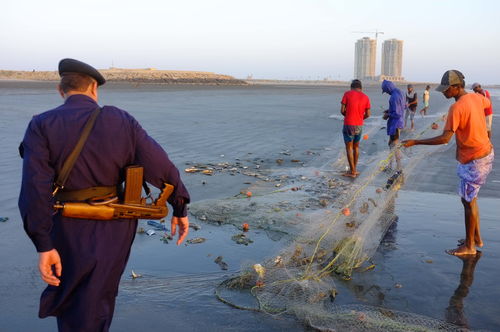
(392, 60)
(364, 58)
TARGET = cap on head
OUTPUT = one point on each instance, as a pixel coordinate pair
(409, 86)
(74, 66)
(476, 85)
(450, 77)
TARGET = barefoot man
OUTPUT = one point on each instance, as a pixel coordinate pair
(474, 151)
(426, 97)
(411, 106)
(355, 107)
(394, 117)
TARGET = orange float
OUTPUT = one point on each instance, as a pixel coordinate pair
(249, 194)
(346, 211)
(434, 126)
(245, 227)
(365, 137)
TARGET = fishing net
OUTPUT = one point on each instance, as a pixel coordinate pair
(333, 226)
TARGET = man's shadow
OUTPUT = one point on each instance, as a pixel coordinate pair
(455, 311)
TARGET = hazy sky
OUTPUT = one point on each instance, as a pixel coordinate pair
(284, 39)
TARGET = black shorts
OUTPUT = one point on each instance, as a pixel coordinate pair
(395, 136)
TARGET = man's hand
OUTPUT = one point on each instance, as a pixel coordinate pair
(386, 115)
(408, 143)
(48, 261)
(183, 223)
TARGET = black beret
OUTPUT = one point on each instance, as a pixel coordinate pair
(75, 66)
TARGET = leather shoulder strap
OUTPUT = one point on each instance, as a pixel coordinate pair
(70, 161)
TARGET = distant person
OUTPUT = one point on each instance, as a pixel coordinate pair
(474, 151)
(355, 107)
(394, 117)
(426, 96)
(82, 260)
(411, 106)
(488, 112)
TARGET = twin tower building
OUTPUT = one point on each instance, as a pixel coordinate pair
(365, 55)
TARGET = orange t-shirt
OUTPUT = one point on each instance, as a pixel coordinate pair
(466, 120)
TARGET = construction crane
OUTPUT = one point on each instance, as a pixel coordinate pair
(376, 32)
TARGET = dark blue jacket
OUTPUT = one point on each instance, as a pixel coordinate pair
(116, 141)
(93, 253)
(397, 105)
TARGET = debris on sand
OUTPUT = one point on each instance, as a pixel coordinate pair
(274, 209)
(323, 202)
(350, 224)
(4, 219)
(196, 240)
(364, 208)
(150, 232)
(157, 225)
(194, 226)
(135, 275)
(241, 239)
(219, 261)
(166, 238)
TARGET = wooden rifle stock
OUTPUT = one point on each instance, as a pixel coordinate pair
(133, 206)
(112, 210)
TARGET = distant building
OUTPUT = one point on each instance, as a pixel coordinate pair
(392, 60)
(364, 58)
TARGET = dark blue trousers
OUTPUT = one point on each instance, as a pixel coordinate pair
(94, 255)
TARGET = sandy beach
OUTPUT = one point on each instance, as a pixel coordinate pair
(240, 128)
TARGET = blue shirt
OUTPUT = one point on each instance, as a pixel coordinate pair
(397, 105)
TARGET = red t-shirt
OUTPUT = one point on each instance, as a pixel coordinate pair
(356, 103)
(488, 110)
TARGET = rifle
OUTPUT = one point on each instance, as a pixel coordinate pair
(133, 206)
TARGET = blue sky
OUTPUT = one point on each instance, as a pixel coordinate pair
(292, 39)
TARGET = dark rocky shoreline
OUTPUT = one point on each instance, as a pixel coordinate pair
(133, 76)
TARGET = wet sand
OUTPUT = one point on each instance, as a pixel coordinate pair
(214, 124)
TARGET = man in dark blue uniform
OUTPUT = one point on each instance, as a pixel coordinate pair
(82, 260)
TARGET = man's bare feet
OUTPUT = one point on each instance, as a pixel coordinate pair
(479, 243)
(350, 175)
(461, 251)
